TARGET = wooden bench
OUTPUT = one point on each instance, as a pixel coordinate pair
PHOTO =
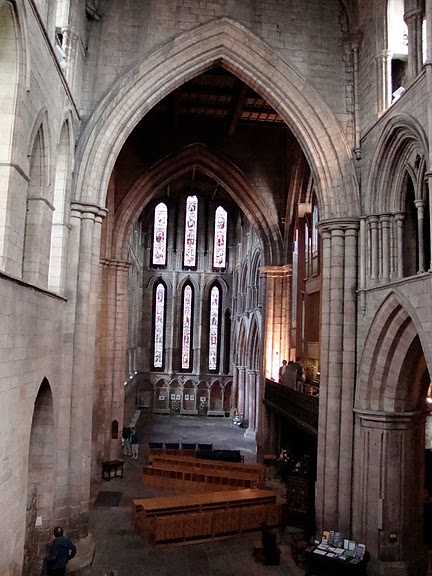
(184, 473)
(188, 518)
(112, 469)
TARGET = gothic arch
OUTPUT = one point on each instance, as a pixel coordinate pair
(198, 157)
(402, 137)
(394, 361)
(41, 478)
(228, 43)
(254, 340)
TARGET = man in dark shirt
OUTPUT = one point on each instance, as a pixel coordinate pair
(62, 550)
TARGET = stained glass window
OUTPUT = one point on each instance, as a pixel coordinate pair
(159, 326)
(160, 235)
(214, 325)
(187, 327)
(191, 223)
(219, 251)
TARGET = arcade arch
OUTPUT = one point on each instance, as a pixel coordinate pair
(389, 435)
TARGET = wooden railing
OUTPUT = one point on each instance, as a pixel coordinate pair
(301, 409)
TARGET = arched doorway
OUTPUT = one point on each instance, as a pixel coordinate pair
(41, 480)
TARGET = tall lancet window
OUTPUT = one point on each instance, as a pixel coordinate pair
(159, 326)
(160, 235)
(220, 237)
(214, 328)
(187, 327)
(191, 223)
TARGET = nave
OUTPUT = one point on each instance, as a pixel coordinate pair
(121, 550)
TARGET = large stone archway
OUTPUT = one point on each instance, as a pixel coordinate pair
(389, 439)
(231, 178)
(229, 44)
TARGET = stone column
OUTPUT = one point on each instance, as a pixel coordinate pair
(251, 392)
(399, 219)
(385, 84)
(414, 20)
(388, 488)
(276, 284)
(420, 205)
(85, 222)
(335, 428)
(241, 390)
(373, 247)
(385, 247)
(112, 336)
(234, 392)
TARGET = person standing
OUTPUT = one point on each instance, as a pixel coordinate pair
(134, 440)
(299, 378)
(62, 550)
(127, 432)
(282, 371)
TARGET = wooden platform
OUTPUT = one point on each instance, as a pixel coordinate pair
(184, 473)
(188, 518)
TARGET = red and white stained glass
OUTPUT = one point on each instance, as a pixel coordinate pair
(214, 324)
(219, 251)
(160, 234)
(159, 326)
(187, 325)
(191, 224)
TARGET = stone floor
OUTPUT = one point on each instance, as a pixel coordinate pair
(119, 549)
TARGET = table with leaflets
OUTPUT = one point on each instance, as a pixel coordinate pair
(326, 560)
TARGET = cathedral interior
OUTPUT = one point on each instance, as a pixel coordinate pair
(195, 193)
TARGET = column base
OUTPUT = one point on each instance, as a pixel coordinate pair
(250, 434)
(84, 556)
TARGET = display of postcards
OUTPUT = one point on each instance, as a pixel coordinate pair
(355, 560)
(351, 545)
(331, 537)
(331, 549)
(320, 552)
(346, 543)
(338, 540)
(348, 553)
(330, 555)
(322, 547)
(326, 535)
(339, 551)
(359, 551)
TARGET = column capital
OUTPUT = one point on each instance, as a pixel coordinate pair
(399, 217)
(389, 420)
(413, 13)
(119, 264)
(385, 218)
(285, 270)
(83, 210)
(338, 224)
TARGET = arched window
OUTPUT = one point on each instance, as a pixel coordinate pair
(220, 236)
(191, 224)
(159, 326)
(214, 328)
(160, 235)
(397, 43)
(187, 327)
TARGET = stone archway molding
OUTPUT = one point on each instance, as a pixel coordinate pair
(393, 335)
(226, 174)
(401, 134)
(227, 43)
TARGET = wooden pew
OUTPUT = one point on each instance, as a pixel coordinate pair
(182, 519)
(185, 473)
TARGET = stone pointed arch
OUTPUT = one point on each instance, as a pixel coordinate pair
(402, 135)
(227, 43)
(394, 361)
(230, 177)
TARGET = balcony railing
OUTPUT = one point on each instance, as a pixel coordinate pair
(301, 409)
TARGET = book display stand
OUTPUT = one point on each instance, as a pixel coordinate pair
(336, 555)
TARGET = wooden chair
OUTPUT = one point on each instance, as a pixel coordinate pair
(298, 543)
